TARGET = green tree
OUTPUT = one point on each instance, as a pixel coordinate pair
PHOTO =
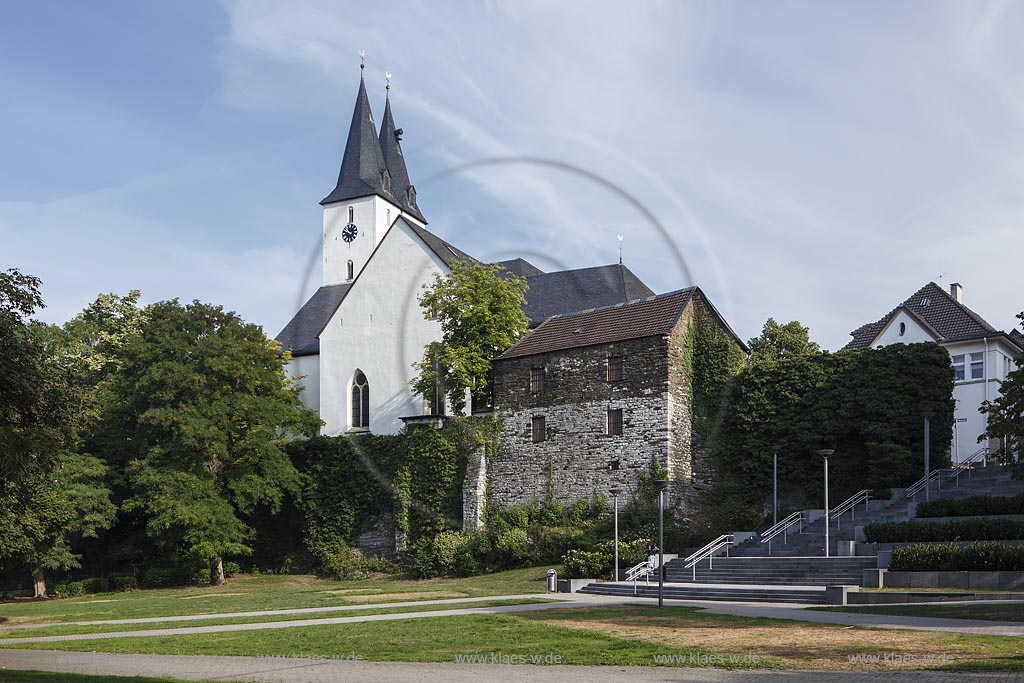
(781, 341)
(481, 315)
(1006, 417)
(48, 492)
(204, 407)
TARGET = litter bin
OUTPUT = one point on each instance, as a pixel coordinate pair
(552, 581)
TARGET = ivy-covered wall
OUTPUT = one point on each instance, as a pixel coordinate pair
(867, 405)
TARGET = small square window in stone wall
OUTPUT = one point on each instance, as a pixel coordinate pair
(614, 372)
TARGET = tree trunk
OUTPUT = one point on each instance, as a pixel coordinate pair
(217, 571)
(38, 582)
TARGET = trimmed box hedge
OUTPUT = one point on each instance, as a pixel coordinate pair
(940, 557)
(959, 530)
(973, 506)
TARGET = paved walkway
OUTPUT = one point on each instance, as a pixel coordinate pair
(281, 670)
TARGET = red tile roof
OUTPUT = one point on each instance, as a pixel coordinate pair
(651, 317)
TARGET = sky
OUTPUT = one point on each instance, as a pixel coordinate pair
(804, 161)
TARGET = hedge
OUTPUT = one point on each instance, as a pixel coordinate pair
(975, 505)
(957, 530)
(943, 557)
(74, 589)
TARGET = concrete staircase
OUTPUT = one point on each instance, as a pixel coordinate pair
(774, 571)
(796, 570)
(675, 591)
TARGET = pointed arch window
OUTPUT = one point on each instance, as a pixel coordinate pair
(351, 215)
(351, 270)
(360, 401)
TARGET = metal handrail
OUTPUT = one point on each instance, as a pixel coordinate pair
(849, 504)
(634, 572)
(783, 526)
(708, 551)
(950, 473)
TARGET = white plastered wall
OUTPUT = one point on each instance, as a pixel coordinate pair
(379, 329)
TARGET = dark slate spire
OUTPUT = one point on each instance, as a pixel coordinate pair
(362, 168)
(390, 145)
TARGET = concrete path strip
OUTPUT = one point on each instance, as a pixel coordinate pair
(294, 623)
(284, 612)
(296, 670)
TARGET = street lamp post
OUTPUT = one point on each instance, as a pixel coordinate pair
(615, 491)
(661, 485)
(775, 484)
(927, 453)
(824, 453)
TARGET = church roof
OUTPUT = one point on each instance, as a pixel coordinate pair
(444, 250)
(518, 267)
(362, 166)
(301, 335)
(391, 148)
(567, 291)
(939, 313)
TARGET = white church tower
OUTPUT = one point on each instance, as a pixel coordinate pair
(373, 190)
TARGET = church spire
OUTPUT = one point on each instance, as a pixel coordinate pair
(363, 171)
(390, 145)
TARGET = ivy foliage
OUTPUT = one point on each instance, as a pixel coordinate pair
(711, 359)
(866, 405)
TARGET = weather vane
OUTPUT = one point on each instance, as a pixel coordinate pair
(362, 59)
(387, 77)
(620, 249)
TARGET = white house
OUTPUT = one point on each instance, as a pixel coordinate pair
(982, 356)
(354, 342)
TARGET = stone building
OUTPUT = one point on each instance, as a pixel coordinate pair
(588, 398)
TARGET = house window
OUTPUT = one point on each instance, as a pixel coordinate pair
(958, 367)
(536, 380)
(613, 372)
(351, 215)
(977, 365)
(351, 270)
(615, 422)
(360, 401)
(539, 429)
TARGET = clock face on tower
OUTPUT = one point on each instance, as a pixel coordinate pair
(350, 232)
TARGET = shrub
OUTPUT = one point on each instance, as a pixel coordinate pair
(975, 505)
(124, 584)
(346, 564)
(958, 530)
(513, 547)
(165, 577)
(202, 577)
(231, 568)
(446, 548)
(578, 512)
(937, 557)
(68, 589)
(97, 585)
(583, 564)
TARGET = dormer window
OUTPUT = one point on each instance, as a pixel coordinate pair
(385, 179)
(412, 195)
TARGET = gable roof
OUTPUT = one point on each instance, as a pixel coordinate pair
(651, 317)
(442, 249)
(362, 165)
(301, 335)
(941, 314)
(567, 291)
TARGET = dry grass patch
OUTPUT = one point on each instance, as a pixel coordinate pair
(203, 597)
(781, 643)
(424, 595)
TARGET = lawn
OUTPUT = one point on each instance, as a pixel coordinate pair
(255, 593)
(8, 676)
(71, 629)
(985, 611)
(628, 635)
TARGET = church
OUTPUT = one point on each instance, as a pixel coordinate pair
(354, 342)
